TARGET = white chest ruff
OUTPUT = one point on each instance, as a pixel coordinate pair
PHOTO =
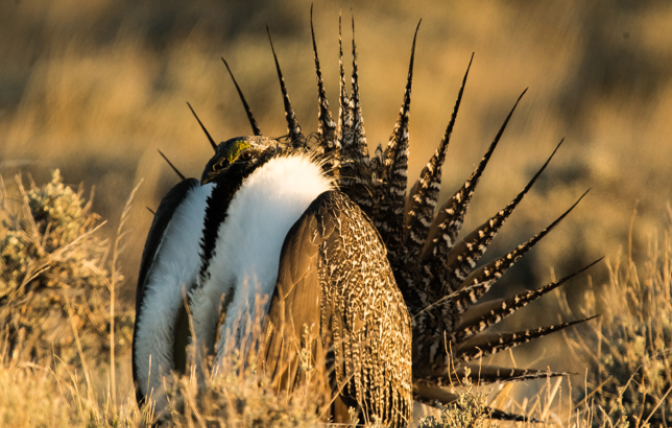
(244, 266)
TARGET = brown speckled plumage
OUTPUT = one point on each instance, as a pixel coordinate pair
(364, 324)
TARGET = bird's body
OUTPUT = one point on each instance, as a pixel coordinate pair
(276, 228)
(340, 258)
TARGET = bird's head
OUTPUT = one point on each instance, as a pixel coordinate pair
(239, 154)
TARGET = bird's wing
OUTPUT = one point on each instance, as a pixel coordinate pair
(162, 217)
(169, 263)
(296, 299)
(337, 309)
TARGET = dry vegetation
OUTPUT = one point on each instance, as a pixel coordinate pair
(94, 88)
(65, 340)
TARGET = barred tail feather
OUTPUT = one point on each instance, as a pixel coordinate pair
(502, 308)
(466, 252)
(483, 345)
(326, 127)
(423, 197)
(480, 374)
(248, 112)
(355, 173)
(448, 221)
(466, 297)
(477, 311)
(361, 188)
(359, 135)
(377, 167)
(294, 129)
(395, 171)
(344, 129)
(495, 269)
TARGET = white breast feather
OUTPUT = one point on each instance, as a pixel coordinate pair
(247, 252)
(177, 263)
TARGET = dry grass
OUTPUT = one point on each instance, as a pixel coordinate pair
(630, 378)
(62, 370)
(59, 315)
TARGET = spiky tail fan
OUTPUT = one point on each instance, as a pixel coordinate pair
(436, 273)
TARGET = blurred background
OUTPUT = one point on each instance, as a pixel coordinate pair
(95, 88)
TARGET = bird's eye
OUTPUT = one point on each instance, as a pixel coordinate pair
(245, 155)
(219, 165)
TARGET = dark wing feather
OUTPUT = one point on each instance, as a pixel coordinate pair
(162, 218)
(295, 302)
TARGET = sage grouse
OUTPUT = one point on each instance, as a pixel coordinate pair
(341, 248)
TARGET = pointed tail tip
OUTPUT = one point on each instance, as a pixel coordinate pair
(275, 57)
(177, 171)
(312, 30)
(471, 60)
(311, 22)
(591, 318)
(520, 97)
(574, 205)
(226, 64)
(562, 140)
(210, 139)
(415, 37)
(591, 264)
(268, 32)
(583, 196)
(580, 271)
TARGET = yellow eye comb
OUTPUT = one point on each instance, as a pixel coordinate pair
(235, 150)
